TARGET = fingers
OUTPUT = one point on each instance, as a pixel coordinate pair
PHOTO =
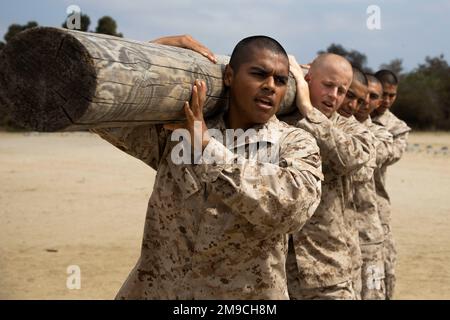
(190, 118)
(201, 95)
(190, 43)
(293, 64)
(187, 42)
(198, 98)
(204, 51)
(292, 60)
(193, 44)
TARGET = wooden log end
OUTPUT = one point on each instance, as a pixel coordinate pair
(47, 79)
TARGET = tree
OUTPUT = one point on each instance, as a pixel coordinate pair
(424, 95)
(2, 44)
(356, 58)
(17, 28)
(107, 25)
(85, 21)
(395, 66)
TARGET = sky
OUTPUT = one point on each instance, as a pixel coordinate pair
(410, 30)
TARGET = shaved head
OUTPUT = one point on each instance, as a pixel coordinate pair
(246, 48)
(372, 79)
(359, 76)
(329, 78)
(330, 60)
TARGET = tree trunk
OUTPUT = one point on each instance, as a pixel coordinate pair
(56, 79)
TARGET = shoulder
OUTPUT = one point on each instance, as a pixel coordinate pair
(294, 138)
(352, 126)
(380, 132)
(395, 125)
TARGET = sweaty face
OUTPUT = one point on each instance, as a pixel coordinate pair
(354, 99)
(257, 87)
(372, 103)
(388, 98)
(328, 85)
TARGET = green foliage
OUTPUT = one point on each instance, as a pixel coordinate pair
(107, 25)
(14, 29)
(395, 66)
(424, 95)
(355, 57)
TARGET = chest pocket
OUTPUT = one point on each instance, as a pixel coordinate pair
(184, 177)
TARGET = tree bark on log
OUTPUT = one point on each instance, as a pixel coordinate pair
(56, 79)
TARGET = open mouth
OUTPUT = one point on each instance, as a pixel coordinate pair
(264, 103)
(328, 105)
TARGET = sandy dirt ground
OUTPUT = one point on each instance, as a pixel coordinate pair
(71, 199)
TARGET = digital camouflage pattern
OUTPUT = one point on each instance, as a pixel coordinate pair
(219, 231)
(368, 222)
(372, 272)
(399, 130)
(322, 246)
(351, 184)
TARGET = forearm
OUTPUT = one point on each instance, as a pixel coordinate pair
(398, 148)
(275, 199)
(344, 153)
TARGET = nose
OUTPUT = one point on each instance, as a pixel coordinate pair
(269, 85)
(333, 93)
(352, 104)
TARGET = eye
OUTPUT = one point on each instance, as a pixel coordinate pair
(281, 80)
(258, 73)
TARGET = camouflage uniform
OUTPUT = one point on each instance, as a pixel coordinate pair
(320, 263)
(371, 234)
(350, 182)
(219, 231)
(399, 131)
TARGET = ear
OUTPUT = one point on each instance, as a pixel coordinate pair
(308, 77)
(228, 76)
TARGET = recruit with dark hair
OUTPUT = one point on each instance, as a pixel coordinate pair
(389, 82)
(371, 78)
(244, 50)
(359, 76)
(387, 76)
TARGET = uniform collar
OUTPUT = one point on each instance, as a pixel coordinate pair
(266, 132)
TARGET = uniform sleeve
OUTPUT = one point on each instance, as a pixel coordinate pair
(277, 197)
(384, 145)
(146, 142)
(398, 147)
(344, 149)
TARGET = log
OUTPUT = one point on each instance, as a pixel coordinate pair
(56, 79)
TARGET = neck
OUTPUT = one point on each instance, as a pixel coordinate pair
(362, 118)
(234, 120)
